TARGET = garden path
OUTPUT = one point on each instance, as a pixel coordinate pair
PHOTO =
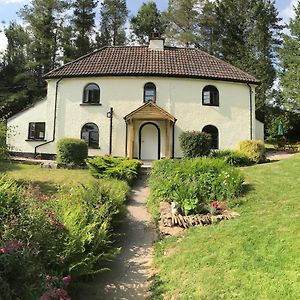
(130, 272)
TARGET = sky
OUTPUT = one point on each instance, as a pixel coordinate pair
(9, 9)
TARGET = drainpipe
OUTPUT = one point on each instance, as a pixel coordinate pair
(54, 120)
(110, 116)
(251, 112)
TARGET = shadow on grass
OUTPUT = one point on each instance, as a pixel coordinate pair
(47, 188)
(6, 165)
(156, 289)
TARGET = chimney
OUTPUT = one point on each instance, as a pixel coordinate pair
(156, 44)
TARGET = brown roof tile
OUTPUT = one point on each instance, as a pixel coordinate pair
(139, 60)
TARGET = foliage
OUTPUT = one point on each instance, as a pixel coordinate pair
(246, 34)
(147, 22)
(113, 16)
(83, 25)
(193, 183)
(71, 151)
(112, 167)
(255, 150)
(183, 20)
(195, 143)
(3, 145)
(233, 158)
(240, 259)
(47, 241)
(290, 64)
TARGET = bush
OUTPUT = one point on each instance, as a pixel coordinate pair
(195, 143)
(233, 158)
(193, 183)
(112, 167)
(71, 151)
(255, 150)
(44, 240)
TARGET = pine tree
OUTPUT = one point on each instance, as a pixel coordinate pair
(147, 22)
(113, 15)
(289, 57)
(183, 21)
(247, 35)
(83, 25)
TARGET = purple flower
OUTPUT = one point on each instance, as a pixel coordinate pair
(10, 246)
(66, 280)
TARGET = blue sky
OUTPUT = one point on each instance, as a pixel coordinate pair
(9, 9)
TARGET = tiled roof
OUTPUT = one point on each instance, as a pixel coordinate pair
(141, 61)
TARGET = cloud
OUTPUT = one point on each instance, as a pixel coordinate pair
(288, 12)
(3, 41)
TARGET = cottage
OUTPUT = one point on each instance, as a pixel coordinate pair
(135, 101)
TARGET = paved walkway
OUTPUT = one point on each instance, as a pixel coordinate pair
(130, 271)
(279, 155)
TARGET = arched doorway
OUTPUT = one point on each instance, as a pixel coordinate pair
(214, 133)
(149, 141)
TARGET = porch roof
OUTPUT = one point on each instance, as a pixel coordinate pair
(150, 111)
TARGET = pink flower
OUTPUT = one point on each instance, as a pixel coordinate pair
(10, 246)
(66, 280)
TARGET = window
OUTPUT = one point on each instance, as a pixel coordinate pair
(36, 131)
(90, 134)
(91, 94)
(210, 96)
(149, 92)
(214, 133)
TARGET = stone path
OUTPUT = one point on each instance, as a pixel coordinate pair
(130, 271)
(279, 155)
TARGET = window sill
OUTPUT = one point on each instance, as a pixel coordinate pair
(90, 104)
(35, 140)
(210, 105)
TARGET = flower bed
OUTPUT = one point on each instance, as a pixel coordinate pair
(48, 243)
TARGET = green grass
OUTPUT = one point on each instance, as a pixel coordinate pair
(49, 180)
(256, 256)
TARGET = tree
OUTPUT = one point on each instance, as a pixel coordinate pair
(247, 35)
(289, 57)
(183, 21)
(83, 25)
(113, 15)
(147, 22)
(16, 81)
(43, 18)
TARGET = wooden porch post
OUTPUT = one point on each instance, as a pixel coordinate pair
(130, 138)
(168, 150)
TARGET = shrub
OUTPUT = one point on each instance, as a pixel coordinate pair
(44, 240)
(195, 143)
(71, 151)
(112, 167)
(255, 150)
(3, 145)
(233, 158)
(193, 183)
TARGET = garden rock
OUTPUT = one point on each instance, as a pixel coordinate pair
(49, 165)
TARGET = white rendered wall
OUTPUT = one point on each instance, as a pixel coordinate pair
(179, 96)
(259, 130)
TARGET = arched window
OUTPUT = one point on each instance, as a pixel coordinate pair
(149, 92)
(90, 134)
(214, 133)
(210, 96)
(91, 93)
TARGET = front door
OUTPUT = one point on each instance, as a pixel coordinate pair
(149, 137)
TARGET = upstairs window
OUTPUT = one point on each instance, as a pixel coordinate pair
(36, 131)
(210, 96)
(91, 93)
(90, 134)
(149, 92)
(214, 133)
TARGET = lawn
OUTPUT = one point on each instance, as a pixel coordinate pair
(255, 256)
(49, 180)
